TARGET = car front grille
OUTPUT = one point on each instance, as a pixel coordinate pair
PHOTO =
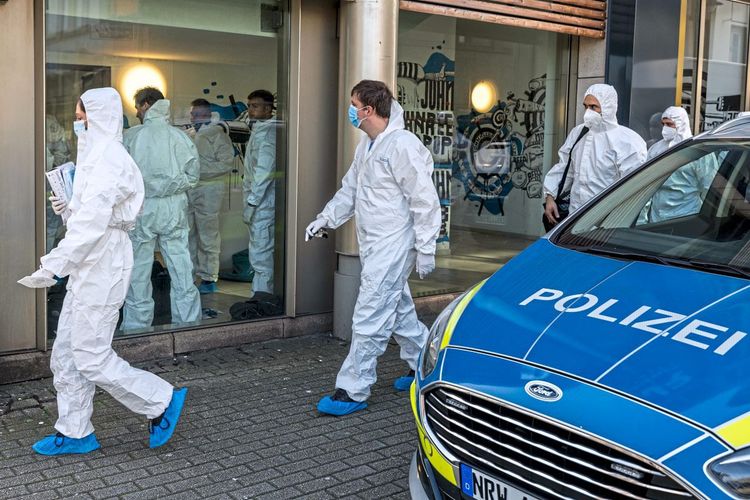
(544, 458)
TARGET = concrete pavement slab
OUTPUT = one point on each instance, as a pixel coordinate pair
(250, 430)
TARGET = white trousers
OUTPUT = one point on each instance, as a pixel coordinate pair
(83, 358)
(384, 307)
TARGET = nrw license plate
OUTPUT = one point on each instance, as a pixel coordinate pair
(479, 485)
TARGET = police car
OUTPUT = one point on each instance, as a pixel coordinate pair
(610, 359)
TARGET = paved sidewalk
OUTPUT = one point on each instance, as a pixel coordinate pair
(249, 430)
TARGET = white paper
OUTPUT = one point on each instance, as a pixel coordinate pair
(61, 181)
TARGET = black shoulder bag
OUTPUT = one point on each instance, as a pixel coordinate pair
(563, 196)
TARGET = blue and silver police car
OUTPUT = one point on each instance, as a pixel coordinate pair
(610, 359)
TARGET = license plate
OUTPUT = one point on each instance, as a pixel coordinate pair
(476, 484)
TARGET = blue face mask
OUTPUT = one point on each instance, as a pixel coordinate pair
(79, 127)
(353, 115)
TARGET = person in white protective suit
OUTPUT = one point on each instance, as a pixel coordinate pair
(205, 200)
(389, 189)
(97, 256)
(259, 188)
(682, 192)
(169, 163)
(602, 156)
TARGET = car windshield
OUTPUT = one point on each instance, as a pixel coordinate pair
(691, 208)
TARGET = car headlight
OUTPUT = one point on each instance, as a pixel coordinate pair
(435, 338)
(733, 472)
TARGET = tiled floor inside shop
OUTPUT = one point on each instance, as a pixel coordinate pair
(474, 256)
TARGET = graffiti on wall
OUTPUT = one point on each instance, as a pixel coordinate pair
(426, 94)
(491, 153)
(502, 149)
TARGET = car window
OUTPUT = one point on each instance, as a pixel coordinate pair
(682, 193)
(690, 208)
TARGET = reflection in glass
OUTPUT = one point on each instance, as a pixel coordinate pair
(683, 192)
(715, 237)
(57, 149)
(204, 57)
(725, 61)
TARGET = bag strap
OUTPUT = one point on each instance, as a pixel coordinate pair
(560, 186)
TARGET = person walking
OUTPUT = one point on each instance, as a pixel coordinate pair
(389, 189)
(97, 255)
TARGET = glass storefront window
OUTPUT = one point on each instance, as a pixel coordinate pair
(664, 44)
(671, 66)
(223, 67)
(690, 61)
(489, 102)
(724, 61)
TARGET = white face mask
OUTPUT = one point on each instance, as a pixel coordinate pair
(668, 133)
(592, 119)
(79, 127)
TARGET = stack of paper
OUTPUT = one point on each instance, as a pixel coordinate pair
(61, 181)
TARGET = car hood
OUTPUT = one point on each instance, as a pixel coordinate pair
(669, 336)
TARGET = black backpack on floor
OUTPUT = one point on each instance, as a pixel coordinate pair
(260, 305)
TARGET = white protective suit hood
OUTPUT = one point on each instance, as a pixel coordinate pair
(103, 116)
(607, 97)
(108, 187)
(681, 119)
(159, 111)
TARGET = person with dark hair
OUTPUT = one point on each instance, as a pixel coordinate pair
(257, 96)
(144, 99)
(168, 161)
(259, 189)
(97, 256)
(389, 189)
(205, 199)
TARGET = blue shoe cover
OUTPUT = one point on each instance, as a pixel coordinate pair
(161, 433)
(403, 383)
(330, 406)
(58, 444)
(207, 287)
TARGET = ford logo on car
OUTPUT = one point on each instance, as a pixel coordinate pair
(543, 391)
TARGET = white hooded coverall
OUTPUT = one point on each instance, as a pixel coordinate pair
(259, 189)
(205, 200)
(97, 255)
(605, 154)
(169, 163)
(389, 189)
(682, 192)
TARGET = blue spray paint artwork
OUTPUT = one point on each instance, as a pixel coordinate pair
(502, 149)
(490, 153)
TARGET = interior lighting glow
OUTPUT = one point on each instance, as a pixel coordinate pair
(138, 76)
(483, 96)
